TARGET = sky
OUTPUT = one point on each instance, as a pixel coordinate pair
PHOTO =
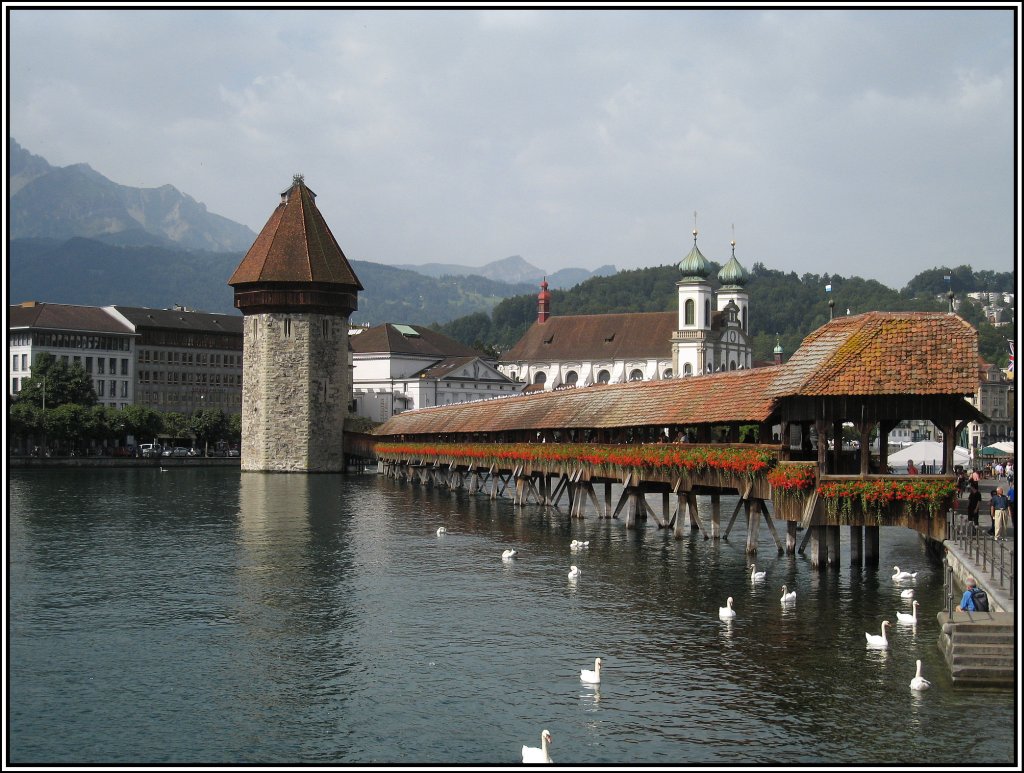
(871, 142)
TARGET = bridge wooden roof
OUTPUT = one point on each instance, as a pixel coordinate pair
(873, 354)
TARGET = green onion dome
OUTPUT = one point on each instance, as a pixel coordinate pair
(695, 265)
(732, 273)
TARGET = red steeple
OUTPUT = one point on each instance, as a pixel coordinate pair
(543, 302)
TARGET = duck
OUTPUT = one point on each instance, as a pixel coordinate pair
(919, 682)
(727, 611)
(898, 575)
(592, 677)
(788, 598)
(907, 594)
(911, 619)
(756, 576)
(876, 641)
(533, 754)
(574, 572)
(578, 544)
(442, 530)
(510, 553)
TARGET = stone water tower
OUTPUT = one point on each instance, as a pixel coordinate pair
(296, 290)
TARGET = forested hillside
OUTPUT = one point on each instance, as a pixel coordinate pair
(783, 307)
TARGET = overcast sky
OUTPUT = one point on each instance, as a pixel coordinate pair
(875, 143)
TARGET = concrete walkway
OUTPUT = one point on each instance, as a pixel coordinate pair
(1001, 587)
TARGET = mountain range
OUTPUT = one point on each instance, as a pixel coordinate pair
(76, 237)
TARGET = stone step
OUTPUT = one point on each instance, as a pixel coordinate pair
(1001, 648)
(980, 659)
(967, 631)
(982, 637)
(981, 674)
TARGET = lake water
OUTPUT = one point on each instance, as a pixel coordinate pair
(207, 617)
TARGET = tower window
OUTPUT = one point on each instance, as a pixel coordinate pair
(688, 312)
(287, 327)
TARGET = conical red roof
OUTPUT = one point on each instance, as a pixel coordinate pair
(295, 245)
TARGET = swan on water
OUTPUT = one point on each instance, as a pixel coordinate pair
(788, 598)
(727, 611)
(919, 682)
(907, 594)
(592, 677)
(533, 754)
(574, 572)
(876, 641)
(577, 544)
(898, 575)
(756, 576)
(441, 530)
(911, 619)
(507, 554)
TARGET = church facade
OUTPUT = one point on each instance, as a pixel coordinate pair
(707, 333)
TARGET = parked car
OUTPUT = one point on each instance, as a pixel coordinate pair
(150, 449)
(233, 452)
(179, 451)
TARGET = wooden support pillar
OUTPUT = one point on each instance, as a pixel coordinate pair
(607, 499)
(871, 545)
(817, 546)
(856, 545)
(791, 537)
(691, 510)
(716, 515)
(832, 544)
(753, 508)
(665, 508)
(784, 454)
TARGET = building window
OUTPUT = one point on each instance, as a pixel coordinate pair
(287, 327)
(604, 377)
(124, 389)
(688, 311)
(113, 365)
(99, 388)
(667, 373)
(14, 363)
(24, 362)
(571, 378)
(99, 365)
(687, 369)
(14, 386)
(540, 377)
(636, 375)
(707, 313)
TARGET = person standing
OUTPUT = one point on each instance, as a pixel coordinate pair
(1011, 498)
(973, 502)
(911, 469)
(998, 506)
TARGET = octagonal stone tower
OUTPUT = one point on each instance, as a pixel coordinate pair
(296, 290)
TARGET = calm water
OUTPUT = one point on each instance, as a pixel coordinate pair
(207, 617)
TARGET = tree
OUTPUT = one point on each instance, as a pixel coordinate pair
(142, 423)
(175, 424)
(68, 423)
(54, 382)
(234, 427)
(207, 424)
(25, 420)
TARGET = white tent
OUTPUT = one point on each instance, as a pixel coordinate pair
(1005, 448)
(926, 452)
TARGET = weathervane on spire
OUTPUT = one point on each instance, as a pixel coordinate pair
(694, 226)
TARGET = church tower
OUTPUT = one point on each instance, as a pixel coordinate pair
(296, 290)
(690, 354)
(734, 349)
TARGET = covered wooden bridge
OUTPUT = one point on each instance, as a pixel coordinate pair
(770, 435)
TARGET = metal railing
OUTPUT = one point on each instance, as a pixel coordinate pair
(995, 561)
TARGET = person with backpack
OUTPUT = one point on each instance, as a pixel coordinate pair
(974, 599)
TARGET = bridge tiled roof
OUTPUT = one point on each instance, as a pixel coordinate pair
(295, 245)
(597, 337)
(880, 353)
(723, 397)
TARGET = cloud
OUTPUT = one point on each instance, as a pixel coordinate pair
(840, 140)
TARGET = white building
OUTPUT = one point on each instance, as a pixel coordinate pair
(88, 336)
(397, 368)
(995, 399)
(707, 333)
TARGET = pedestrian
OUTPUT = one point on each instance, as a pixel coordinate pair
(999, 470)
(1011, 498)
(1009, 472)
(973, 502)
(911, 469)
(975, 475)
(967, 600)
(998, 505)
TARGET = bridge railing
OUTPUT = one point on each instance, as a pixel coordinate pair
(994, 558)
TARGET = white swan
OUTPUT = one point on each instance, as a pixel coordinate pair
(919, 682)
(911, 619)
(592, 677)
(756, 576)
(507, 554)
(578, 544)
(727, 611)
(876, 641)
(441, 530)
(574, 572)
(898, 575)
(533, 754)
(907, 594)
(788, 598)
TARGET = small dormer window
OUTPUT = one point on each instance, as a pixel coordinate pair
(550, 338)
(609, 338)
